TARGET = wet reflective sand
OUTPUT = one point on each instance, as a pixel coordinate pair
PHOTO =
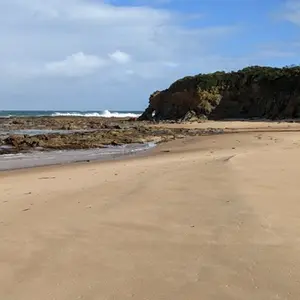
(39, 158)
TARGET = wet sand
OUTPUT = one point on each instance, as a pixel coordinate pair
(212, 217)
(46, 158)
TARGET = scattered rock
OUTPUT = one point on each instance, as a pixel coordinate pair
(116, 135)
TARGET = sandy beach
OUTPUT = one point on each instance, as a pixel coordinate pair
(212, 217)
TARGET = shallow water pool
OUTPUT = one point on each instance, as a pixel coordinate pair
(40, 158)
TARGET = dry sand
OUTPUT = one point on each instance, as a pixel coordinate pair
(240, 126)
(213, 217)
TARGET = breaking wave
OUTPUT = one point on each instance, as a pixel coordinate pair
(104, 114)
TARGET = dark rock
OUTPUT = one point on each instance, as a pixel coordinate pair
(110, 132)
(251, 93)
(14, 140)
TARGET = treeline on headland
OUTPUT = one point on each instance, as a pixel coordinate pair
(253, 92)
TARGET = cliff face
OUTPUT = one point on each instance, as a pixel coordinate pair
(253, 92)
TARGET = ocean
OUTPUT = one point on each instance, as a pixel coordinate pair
(57, 113)
(40, 158)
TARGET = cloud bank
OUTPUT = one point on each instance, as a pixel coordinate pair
(88, 54)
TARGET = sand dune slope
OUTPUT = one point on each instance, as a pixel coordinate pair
(205, 218)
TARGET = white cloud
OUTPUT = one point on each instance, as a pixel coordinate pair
(291, 11)
(74, 65)
(120, 57)
(99, 45)
(170, 64)
(78, 64)
(83, 10)
(129, 72)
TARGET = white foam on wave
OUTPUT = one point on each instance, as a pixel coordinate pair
(104, 114)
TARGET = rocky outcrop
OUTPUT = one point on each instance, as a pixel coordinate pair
(253, 92)
(61, 123)
(96, 139)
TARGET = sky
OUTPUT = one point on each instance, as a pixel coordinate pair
(96, 55)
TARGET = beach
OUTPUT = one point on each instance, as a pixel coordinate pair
(201, 217)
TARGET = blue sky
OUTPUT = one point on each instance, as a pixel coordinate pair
(95, 55)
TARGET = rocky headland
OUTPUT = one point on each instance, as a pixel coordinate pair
(251, 93)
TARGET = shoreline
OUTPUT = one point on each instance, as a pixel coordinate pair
(85, 133)
(36, 159)
(210, 212)
(228, 127)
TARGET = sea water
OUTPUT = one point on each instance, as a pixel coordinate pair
(44, 158)
(54, 113)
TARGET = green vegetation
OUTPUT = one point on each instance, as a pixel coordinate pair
(208, 99)
(286, 77)
(253, 92)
